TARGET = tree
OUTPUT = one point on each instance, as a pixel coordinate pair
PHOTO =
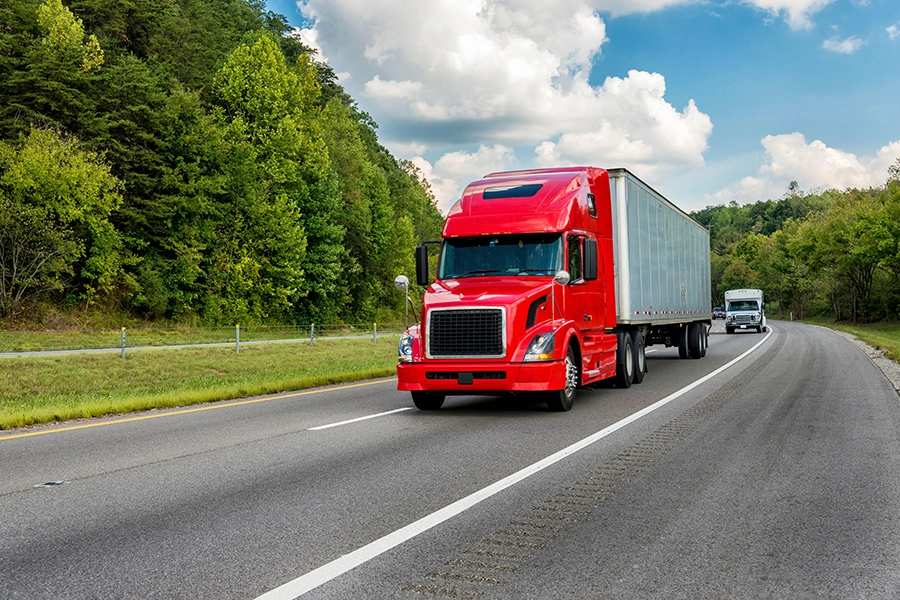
(49, 177)
(288, 195)
(894, 171)
(35, 255)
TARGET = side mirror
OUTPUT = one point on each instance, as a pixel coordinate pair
(422, 265)
(562, 277)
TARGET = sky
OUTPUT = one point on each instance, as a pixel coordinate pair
(708, 101)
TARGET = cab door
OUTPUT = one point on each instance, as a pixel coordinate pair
(585, 304)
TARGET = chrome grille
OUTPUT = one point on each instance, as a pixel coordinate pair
(466, 333)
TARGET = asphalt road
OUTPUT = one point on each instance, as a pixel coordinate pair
(768, 474)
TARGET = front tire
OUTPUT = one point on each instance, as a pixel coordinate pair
(561, 400)
(427, 400)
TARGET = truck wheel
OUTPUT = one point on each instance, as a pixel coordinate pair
(729, 330)
(704, 340)
(683, 341)
(427, 401)
(561, 400)
(694, 335)
(624, 361)
(759, 330)
(640, 357)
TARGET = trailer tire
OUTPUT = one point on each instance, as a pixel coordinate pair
(704, 338)
(427, 400)
(624, 361)
(683, 341)
(695, 340)
(640, 357)
(561, 400)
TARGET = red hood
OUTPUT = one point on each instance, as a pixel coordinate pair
(485, 291)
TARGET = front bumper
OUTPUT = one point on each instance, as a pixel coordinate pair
(475, 377)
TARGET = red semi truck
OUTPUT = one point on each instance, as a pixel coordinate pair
(552, 279)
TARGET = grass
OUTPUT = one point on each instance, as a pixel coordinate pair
(884, 336)
(44, 389)
(31, 341)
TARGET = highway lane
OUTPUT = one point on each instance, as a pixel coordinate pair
(775, 478)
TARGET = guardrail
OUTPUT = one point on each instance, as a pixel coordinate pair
(135, 338)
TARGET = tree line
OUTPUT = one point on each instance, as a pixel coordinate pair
(827, 253)
(187, 160)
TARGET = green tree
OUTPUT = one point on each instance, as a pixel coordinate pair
(271, 111)
(50, 175)
(36, 255)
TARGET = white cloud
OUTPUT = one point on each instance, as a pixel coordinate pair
(445, 74)
(847, 46)
(797, 13)
(813, 165)
(450, 173)
(629, 123)
(894, 31)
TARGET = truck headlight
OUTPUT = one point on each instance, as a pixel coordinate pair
(540, 348)
(404, 348)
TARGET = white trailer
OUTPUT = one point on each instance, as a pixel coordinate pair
(662, 264)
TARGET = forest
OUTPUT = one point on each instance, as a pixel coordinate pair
(190, 162)
(832, 254)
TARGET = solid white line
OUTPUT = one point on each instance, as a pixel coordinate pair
(390, 412)
(338, 567)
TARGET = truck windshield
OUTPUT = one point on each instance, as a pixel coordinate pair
(738, 305)
(525, 255)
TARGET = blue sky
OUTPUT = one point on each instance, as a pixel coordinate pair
(708, 101)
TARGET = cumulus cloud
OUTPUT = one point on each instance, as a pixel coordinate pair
(496, 74)
(846, 46)
(449, 175)
(894, 31)
(796, 13)
(813, 165)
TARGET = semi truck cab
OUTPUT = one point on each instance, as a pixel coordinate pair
(524, 299)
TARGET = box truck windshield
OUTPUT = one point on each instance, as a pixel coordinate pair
(524, 255)
(737, 305)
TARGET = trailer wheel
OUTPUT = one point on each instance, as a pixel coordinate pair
(561, 400)
(640, 357)
(427, 401)
(624, 361)
(695, 340)
(704, 338)
(683, 341)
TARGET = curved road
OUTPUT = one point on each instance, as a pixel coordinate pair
(769, 469)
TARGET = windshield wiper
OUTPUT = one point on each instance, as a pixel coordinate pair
(477, 272)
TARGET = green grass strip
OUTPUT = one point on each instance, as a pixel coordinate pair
(45, 389)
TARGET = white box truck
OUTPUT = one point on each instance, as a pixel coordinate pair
(745, 309)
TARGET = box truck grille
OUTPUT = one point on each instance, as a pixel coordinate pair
(744, 318)
(466, 333)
